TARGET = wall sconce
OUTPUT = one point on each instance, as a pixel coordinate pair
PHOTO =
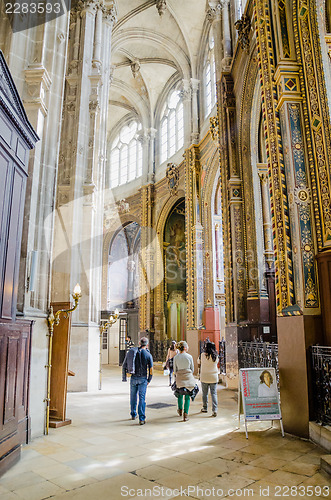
(54, 319)
(103, 327)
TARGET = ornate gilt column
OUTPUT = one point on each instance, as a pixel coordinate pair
(262, 169)
(146, 302)
(286, 304)
(193, 228)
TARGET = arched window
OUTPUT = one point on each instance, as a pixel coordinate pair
(126, 156)
(172, 126)
(210, 78)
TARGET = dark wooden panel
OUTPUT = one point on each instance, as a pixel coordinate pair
(60, 361)
(13, 247)
(15, 351)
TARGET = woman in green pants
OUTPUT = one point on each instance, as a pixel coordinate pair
(185, 385)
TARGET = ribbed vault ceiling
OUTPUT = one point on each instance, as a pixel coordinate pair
(149, 52)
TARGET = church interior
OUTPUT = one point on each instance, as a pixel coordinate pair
(165, 172)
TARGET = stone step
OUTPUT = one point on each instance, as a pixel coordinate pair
(326, 463)
(321, 435)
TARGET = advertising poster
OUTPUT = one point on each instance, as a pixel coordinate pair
(258, 394)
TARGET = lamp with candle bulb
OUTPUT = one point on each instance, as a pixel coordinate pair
(102, 328)
(54, 320)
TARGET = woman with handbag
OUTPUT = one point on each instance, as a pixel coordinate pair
(185, 384)
(209, 376)
(169, 362)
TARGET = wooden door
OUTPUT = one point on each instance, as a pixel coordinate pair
(15, 351)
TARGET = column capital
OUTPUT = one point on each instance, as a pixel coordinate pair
(84, 6)
(109, 15)
(213, 11)
(194, 84)
(185, 92)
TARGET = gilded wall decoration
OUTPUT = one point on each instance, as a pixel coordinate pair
(243, 26)
(316, 113)
(283, 29)
(225, 87)
(302, 199)
(245, 118)
(285, 298)
(172, 174)
(192, 220)
(214, 128)
(211, 171)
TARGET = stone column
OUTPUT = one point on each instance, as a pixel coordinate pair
(195, 110)
(227, 48)
(267, 226)
(185, 95)
(151, 154)
(79, 220)
(214, 16)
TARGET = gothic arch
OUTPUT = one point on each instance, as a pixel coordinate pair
(108, 238)
(159, 290)
(207, 196)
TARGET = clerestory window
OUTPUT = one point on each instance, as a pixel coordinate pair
(172, 126)
(210, 78)
(126, 156)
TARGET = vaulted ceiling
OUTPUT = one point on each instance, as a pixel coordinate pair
(154, 45)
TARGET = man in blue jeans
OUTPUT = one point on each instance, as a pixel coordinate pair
(139, 362)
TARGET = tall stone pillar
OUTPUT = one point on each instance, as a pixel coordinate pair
(214, 16)
(195, 110)
(227, 47)
(79, 215)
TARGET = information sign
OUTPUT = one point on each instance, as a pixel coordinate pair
(258, 396)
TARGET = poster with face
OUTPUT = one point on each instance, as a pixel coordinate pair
(259, 393)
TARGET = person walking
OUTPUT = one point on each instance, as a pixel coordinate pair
(139, 362)
(209, 376)
(128, 342)
(185, 384)
(169, 362)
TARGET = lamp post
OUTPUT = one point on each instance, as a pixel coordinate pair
(103, 327)
(54, 319)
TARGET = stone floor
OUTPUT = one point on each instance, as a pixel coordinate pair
(105, 455)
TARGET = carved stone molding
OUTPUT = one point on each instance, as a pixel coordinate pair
(172, 174)
(243, 26)
(214, 128)
(161, 6)
(135, 67)
(123, 207)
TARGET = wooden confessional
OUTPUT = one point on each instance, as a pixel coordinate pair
(17, 137)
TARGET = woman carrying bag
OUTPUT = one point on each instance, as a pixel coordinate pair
(169, 362)
(209, 376)
(185, 384)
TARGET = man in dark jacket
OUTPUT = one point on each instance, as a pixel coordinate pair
(138, 362)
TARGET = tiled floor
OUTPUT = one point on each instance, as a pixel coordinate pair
(105, 455)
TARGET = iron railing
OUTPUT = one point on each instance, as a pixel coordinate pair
(258, 354)
(159, 349)
(222, 356)
(321, 359)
